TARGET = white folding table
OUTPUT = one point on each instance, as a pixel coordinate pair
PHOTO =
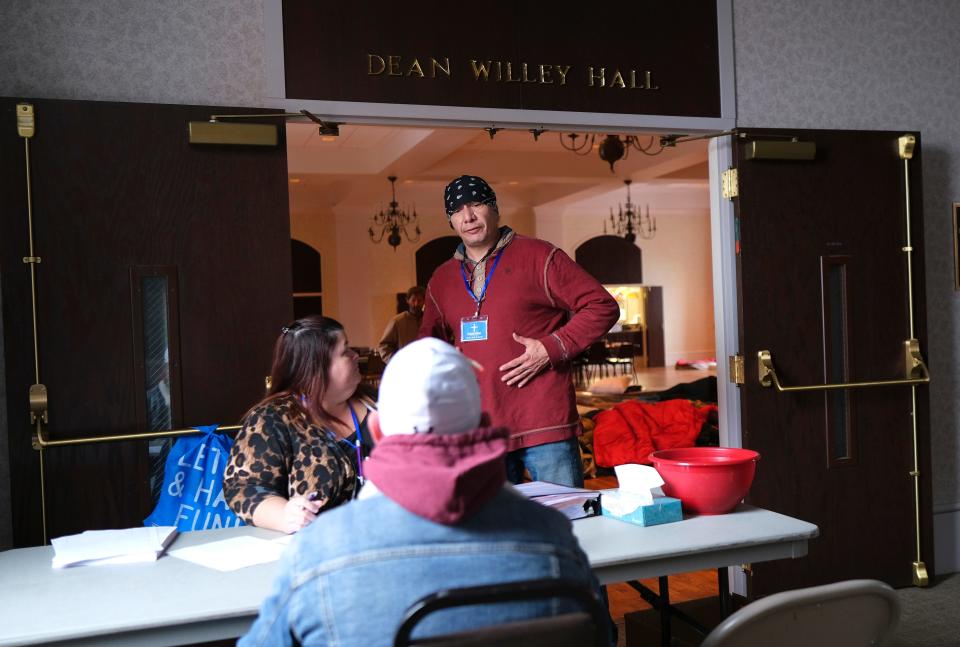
(172, 601)
(623, 552)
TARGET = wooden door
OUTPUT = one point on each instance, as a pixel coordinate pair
(823, 286)
(118, 195)
(656, 354)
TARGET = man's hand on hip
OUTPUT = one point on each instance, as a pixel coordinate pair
(524, 368)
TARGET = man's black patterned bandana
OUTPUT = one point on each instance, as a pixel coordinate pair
(466, 189)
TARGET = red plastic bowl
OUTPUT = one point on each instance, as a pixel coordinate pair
(707, 480)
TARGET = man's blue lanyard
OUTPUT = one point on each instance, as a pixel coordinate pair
(466, 282)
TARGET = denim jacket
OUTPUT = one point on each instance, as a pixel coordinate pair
(348, 577)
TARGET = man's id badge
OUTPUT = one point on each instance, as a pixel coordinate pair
(473, 328)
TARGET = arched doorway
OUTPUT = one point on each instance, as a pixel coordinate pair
(616, 262)
(307, 279)
(431, 255)
(611, 260)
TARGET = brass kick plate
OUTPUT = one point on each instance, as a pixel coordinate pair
(205, 132)
(781, 150)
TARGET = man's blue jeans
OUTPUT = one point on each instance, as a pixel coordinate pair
(557, 462)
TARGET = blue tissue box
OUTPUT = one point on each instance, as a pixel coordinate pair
(664, 509)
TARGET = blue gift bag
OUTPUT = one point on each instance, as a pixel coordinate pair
(192, 495)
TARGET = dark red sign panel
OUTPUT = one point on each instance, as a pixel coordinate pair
(646, 57)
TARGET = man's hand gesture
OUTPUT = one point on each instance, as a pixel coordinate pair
(524, 368)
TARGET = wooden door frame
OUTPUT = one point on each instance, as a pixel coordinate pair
(726, 319)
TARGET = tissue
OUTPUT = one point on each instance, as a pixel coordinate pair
(639, 498)
(637, 482)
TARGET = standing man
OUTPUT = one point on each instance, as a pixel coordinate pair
(523, 310)
(403, 328)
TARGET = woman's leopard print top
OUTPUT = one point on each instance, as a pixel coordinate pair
(278, 452)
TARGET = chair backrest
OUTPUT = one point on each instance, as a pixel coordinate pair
(850, 613)
(597, 353)
(587, 627)
(374, 365)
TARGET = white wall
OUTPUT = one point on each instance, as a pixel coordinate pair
(678, 259)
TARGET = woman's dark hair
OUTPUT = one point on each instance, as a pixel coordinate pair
(301, 364)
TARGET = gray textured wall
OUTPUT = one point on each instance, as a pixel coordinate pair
(871, 64)
(881, 65)
(207, 52)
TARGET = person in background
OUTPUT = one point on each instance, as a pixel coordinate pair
(522, 308)
(435, 513)
(403, 328)
(300, 449)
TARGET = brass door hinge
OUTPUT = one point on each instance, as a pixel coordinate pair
(737, 374)
(747, 568)
(730, 185)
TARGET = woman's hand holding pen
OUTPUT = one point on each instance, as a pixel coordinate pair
(299, 512)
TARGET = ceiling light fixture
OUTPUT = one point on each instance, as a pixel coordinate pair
(394, 220)
(630, 222)
(612, 148)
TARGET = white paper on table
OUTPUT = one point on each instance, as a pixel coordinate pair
(124, 546)
(231, 554)
(562, 500)
(543, 488)
(571, 501)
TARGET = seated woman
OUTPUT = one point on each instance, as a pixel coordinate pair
(299, 451)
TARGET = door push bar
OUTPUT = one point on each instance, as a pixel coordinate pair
(916, 373)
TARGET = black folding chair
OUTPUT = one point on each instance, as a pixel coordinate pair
(585, 627)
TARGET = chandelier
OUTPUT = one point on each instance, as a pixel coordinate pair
(630, 222)
(612, 148)
(394, 221)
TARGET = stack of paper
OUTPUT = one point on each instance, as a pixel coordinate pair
(575, 503)
(112, 546)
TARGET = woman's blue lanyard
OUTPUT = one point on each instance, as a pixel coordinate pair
(466, 282)
(356, 427)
